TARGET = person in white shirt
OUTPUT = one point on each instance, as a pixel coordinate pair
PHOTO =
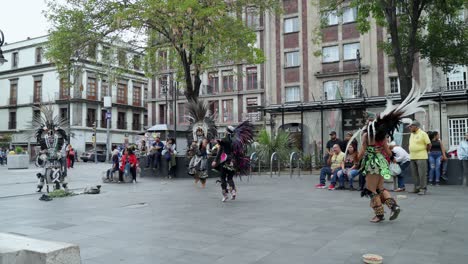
(462, 153)
(401, 157)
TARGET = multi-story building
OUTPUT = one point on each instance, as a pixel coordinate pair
(233, 91)
(312, 76)
(28, 80)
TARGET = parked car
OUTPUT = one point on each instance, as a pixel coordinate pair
(89, 156)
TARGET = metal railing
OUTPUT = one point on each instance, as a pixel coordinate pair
(252, 117)
(274, 157)
(254, 158)
(294, 157)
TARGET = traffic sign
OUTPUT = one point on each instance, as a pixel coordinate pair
(108, 115)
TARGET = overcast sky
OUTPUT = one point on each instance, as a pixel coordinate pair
(20, 19)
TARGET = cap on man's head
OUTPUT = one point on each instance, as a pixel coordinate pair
(332, 133)
(415, 123)
(230, 129)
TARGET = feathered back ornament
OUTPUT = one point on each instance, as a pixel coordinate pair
(242, 136)
(201, 120)
(48, 123)
(389, 120)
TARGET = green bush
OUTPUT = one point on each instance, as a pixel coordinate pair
(19, 150)
(282, 144)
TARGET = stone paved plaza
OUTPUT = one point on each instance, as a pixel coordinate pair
(274, 220)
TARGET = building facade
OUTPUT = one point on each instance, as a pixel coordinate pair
(28, 80)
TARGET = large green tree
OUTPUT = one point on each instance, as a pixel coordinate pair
(198, 33)
(433, 29)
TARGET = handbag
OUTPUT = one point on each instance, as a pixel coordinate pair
(395, 169)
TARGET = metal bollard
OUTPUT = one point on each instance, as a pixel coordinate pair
(274, 157)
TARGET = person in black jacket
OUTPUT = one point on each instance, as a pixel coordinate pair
(224, 164)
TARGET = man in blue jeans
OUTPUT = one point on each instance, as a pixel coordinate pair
(334, 165)
(401, 157)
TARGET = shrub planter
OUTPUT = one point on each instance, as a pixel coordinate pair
(18, 161)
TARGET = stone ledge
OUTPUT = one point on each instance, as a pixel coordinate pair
(16, 249)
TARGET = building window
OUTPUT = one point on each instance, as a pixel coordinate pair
(252, 18)
(292, 59)
(136, 62)
(145, 121)
(12, 120)
(182, 113)
(162, 54)
(106, 53)
(291, 25)
(91, 117)
(293, 94)
(121, 120)
(136, 95)
(349, 14)
(213, 83)
(105, 91)
(14, 60)
(351, 88)
(458, 127)
(103, 118)
(122, 93)
(162, 114)
(122, 57)
(228, 111)
(251, 103)
(36, 114)
(91, 89)
(163, 85)
(38, 55)
(37, 89)
(330, 54)
(214, 109)
(350, 50)
(331, 18)
(456, 79)
(136, 122)
(13, 92)
(91, 51)
(64, 113)
(228, 81)
(63, 88)
(331, 90)
(252, 82)
(394, 85)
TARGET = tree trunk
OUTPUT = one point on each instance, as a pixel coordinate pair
(191, 92)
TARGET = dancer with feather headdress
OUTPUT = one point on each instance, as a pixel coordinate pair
(374, 150)
(52, 138)
(203, 130)
(231, 158)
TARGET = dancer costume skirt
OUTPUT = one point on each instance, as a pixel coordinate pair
(375, 163)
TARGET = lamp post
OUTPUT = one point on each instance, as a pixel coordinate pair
(2, 40)
(358, 62)
(174, 92)
(165, 91)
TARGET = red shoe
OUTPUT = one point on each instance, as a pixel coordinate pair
(331, 187)
(320, 186)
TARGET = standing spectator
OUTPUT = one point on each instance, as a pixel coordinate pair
(128, 158)
(334, 165)
(436, 156)
(2, 156)
(401, 157)
(419, 146)
(333, 140)
(462, 153)
(169, 154)
(70, 156)
(349, 168)
(346, 140)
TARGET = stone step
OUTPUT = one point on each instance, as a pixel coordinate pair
(15, 249)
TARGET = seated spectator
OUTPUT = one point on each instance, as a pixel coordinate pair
(349, 168)
(130, 159)
(401, 157)
(334, 165)
(115, 165)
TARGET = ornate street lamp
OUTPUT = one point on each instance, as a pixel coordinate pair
(2, 40)
(358, 65)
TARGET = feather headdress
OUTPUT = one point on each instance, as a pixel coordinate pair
(242, 136)
(48, 123)
(389, 120)
(201, 120)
